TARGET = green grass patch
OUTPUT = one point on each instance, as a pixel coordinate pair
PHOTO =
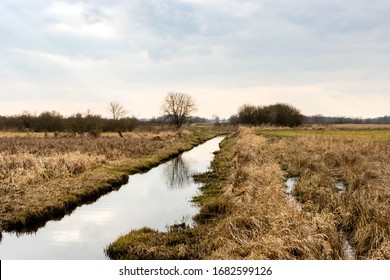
(149, 244)
(363, 134)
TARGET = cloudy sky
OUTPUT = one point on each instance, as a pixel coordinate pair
(327, 57)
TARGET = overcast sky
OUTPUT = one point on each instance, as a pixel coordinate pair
(327, 57)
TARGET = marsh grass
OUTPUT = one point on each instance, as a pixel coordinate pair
(262, 223)
(361, 160)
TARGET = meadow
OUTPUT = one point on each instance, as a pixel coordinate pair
(45, 176)
(246, 212)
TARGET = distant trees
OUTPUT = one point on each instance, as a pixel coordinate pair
(216, 120)
(320, 119)
(79, 123)
(89, 123)
(177, 106)
(118, 113)
(49, 122)
(280, 114)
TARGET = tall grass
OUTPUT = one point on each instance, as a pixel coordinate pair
(363, 165)
(263, 223)
(30, 160)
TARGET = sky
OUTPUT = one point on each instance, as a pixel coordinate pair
(326, 57)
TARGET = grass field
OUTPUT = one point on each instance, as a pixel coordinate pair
(43, 177)
(352, 134)
(246, 213)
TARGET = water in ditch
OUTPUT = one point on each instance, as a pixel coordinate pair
(156, 199)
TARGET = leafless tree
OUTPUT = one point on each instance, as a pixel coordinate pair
(177, 106)
(117, 110)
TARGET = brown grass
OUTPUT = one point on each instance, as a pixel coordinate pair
(364, 167)
(263, 223)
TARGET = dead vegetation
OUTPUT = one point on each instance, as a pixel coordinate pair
(363, 166)
(263, 223)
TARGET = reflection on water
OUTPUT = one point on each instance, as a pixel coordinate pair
(156, 199)
(177, 173)
(348, 250)
(339, 185)
(290, 184)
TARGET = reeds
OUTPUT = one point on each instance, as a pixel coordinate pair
(263, 224)
(363, 166)
(30, 160)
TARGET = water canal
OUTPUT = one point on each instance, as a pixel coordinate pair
(156, 199)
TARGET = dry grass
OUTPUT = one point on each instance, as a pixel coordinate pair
(363, 165)
(28, 160)
(263, 223)
(22, 169)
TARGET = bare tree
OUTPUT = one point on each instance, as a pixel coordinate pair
(118, 112)
(177, 106)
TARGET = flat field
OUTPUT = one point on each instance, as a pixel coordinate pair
(361, 133)
(339, 208)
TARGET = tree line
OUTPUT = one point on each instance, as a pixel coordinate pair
(319, 119)
(176, 108)
(52, 121)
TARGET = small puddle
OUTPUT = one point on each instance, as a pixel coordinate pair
(340, 186)
(290, 185)
(348, 250)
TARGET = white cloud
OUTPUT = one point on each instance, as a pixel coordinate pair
(82, 19)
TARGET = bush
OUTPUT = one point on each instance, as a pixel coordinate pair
(278, 114)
